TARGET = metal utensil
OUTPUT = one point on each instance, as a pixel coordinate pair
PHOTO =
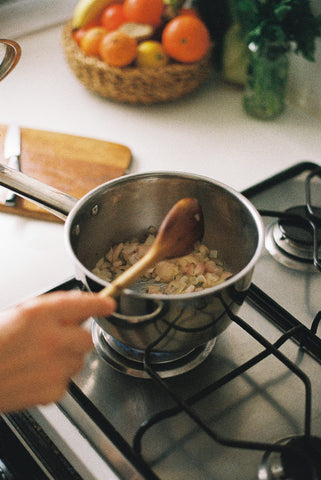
(12, 151)
(177, 234)
(10, 53)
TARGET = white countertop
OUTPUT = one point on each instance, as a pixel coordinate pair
(206, 133)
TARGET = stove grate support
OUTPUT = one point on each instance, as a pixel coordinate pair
(312, 220)
(187, 404)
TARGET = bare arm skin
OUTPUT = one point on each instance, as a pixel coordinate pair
(42, 344)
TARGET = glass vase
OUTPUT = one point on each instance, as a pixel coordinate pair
(267, 79)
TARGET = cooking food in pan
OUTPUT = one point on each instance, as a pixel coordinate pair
(192, 273)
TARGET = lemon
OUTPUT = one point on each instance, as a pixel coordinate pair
(151, 54)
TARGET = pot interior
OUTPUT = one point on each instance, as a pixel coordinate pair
(124, 209)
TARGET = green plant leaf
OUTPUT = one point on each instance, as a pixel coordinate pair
(290, 21)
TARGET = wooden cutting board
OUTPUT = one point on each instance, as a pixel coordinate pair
(72, 164)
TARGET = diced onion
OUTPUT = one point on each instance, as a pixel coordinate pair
(191, 273)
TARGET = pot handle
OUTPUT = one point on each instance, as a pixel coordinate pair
(40, 193)
(126, 319)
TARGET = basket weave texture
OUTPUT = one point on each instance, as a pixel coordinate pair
(132, 84)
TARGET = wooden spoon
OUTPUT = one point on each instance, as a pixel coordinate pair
(180, 229)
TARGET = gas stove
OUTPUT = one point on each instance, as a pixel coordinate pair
(246, 406)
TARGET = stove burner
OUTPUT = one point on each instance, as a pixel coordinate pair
(301, 461)
(298, 233)
(290, 239)
(128, 360)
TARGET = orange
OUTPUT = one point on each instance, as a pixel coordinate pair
(90, 41)
(118, 49)
(80, 32)
(143, 11)
(186, 38)
(112, 17)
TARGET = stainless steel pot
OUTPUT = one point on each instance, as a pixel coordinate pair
(122, 209)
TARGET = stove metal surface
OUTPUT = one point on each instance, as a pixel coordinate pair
(265, 404)
(296, 290)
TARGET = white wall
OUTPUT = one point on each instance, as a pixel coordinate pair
(305, 77)
(20, 17)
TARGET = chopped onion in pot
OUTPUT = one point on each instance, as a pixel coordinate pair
(197, 271)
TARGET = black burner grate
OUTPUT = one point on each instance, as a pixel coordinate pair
(298, 331)
(301, 224)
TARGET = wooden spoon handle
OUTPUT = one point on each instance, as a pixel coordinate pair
(180, 229)
(130, 275)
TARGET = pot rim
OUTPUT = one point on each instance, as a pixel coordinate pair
(164, 173)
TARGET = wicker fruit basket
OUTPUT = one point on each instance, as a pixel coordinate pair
(132, 84)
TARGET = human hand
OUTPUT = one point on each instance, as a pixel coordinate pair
(42, 345)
